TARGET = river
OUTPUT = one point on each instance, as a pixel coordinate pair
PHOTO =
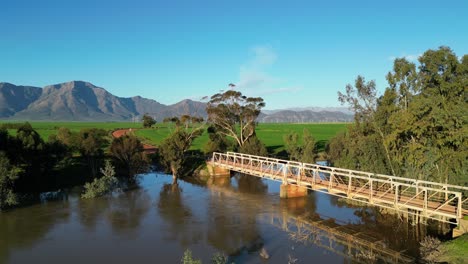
(238, 217)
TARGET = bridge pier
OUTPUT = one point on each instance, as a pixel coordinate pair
(292, 191)
(214, 170)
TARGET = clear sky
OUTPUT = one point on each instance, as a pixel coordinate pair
(291, 53)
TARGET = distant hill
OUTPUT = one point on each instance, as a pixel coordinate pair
(83, 101)
(16, 98)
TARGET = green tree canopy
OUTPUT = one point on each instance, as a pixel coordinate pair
(417, 128)
(234, 115)
(148, 121)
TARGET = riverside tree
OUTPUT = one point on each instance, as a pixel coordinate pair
(234, 115)
(417, 128)
(128, 155)
(8, 174)
(174, 148)
(307, 152)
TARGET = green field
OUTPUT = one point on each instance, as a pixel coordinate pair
(270, 134)
(45, 129)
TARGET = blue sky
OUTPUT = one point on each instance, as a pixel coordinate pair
(291, 53)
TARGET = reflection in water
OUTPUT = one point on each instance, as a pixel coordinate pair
(23, 227)
(236, 216)
(232, 222)
(123, 212)
(179, 217)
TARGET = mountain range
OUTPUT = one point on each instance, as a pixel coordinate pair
(83, 101)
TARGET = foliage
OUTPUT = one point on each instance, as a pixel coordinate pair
(101, 186)
(417, 128)
(127, 152)
(307, 152)
(291, 145)
(219, 258)
(90, 144)
(309, 148)
(253, 146)
(148, 121)
(234, 115)
(174, 147)
(8, 174)
(430, 249)
(188, 259)
(217, 142)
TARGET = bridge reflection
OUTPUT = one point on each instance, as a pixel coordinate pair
(299, 220)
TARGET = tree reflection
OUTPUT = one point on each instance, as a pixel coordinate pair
(127, 210)
(232, 223)
(123, 212)
(178, 216)
(23, 227)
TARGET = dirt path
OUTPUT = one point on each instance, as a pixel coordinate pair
(149, 149)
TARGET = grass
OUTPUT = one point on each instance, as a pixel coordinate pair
(45, 129)
(455, 251)
(270, 134)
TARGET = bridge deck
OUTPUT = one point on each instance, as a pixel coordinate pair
(437, 201)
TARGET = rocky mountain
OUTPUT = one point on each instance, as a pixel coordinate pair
(83, 101)
(16, 98)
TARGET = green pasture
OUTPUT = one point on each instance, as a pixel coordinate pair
(270, 134)
(45, 129)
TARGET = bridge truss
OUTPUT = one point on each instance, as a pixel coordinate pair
(431, 200)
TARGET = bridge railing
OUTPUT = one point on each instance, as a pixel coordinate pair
(388, 191)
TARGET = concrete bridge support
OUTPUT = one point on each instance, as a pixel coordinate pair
(214, 170)
(292, 191)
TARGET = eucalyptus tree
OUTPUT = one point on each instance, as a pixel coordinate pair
(234, 115)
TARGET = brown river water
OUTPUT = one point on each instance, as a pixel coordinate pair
(241, 217)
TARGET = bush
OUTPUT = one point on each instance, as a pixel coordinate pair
(188, 259)
(430, 249)
(102, 186)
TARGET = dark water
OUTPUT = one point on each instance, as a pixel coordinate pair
(240, 217)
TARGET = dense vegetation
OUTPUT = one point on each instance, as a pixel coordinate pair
(417, 128)
(30, 165)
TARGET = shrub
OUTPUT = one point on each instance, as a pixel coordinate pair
(102, 186)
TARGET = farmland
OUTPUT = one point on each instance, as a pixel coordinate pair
(270, 134)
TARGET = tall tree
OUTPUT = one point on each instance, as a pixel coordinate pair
(291, 144)
(305, 152)
(234, 115)
(90, 143)
(420, 122)
(174, 147)
(362, 99)
(127, 152)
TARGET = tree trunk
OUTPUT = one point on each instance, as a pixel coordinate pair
(174, 174)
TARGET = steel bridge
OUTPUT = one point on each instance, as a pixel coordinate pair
(431, 200)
